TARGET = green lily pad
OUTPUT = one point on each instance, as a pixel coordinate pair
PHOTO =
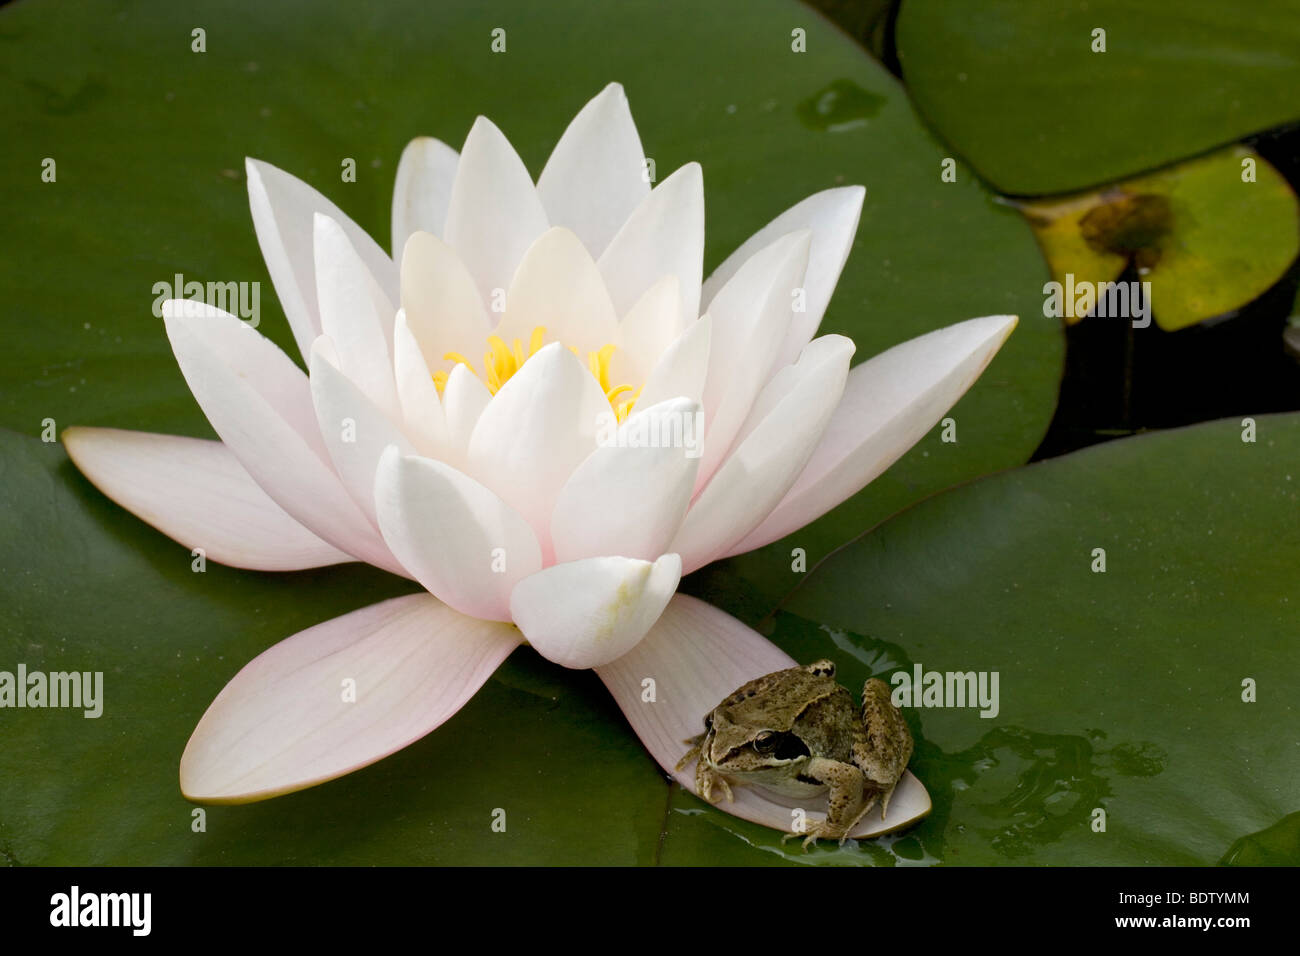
(149, 183)
(1122, 690)
(1206, 238)
(1015, 87)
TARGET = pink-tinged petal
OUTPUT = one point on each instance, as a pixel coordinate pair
(596, 176)
(356, 431)
(794, 411)
(283, 208)
(355, 313)
(463, 401)
(832, 215)
(697, 655)
(494, 214)
(461, 541)
(418, 396)
(587, 613)
(537, 429)
(442, 302)
(682, 369)
(629, 496)
(197, 493)
(663, 236)
(260, 404)
(646, 332)
(751, 315)
(340, 696)
(889, 403)
(558, 287)
(422, 191)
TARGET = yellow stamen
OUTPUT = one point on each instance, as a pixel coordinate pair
(502, 361)
(623, 409)
(459, 359)
(614, 393)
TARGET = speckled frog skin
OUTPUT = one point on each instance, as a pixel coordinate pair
(798, 733)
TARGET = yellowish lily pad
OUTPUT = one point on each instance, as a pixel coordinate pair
(1209, 235)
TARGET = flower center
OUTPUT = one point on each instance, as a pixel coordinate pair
(501, 361)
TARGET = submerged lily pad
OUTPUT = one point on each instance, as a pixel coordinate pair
(1016, 87)
(1209, 234)
(1160, 690)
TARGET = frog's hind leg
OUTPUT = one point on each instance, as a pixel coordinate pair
(884, 746)
(884, 798)
(879, 782)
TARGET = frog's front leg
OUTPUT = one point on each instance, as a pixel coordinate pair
(706, 778)
(847, 803)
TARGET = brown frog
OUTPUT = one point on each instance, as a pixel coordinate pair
(797, 732)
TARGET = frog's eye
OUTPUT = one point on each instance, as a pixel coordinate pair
(708, 721)
(782, 746)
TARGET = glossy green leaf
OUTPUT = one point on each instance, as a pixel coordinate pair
(148, 140)
(1125, 690)
(1015, 87)
(1209, 234)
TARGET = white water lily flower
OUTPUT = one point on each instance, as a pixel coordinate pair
(493, 456)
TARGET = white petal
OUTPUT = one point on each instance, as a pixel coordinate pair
(463, 401)
(260, 404)
(197, 493)
(355, 430)
(590, 612)
(494, 214)
(283, 723)
(461, 541)
(418, 396)
(629, 499)
(538, 427)
(697, 656)
(889, 403)
(283, 208)
(422, 191)
(441, 302)
(596, 177)
(770, 457)
(751, 315)
(355, 313)
(663, 236)
(646, 332)
(558, 287)
(683, 367)
(833, 216)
